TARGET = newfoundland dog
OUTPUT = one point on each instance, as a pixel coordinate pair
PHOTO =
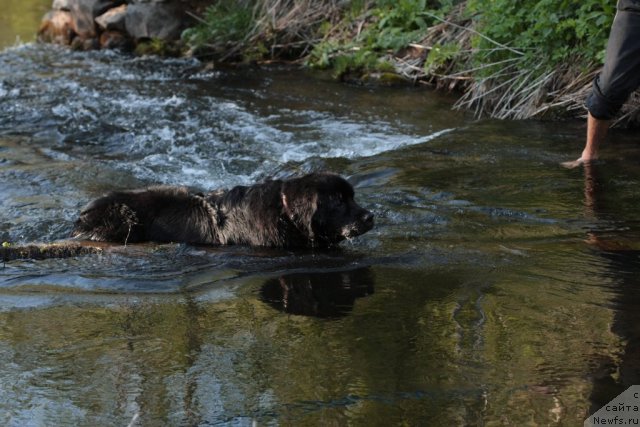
(316, 210)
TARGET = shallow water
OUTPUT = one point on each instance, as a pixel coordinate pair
(20, 19)
(495, 289)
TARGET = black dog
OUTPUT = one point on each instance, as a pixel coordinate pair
(316, 210)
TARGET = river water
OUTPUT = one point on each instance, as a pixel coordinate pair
(496, 288)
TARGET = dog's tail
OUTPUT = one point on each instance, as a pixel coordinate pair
(105, 220)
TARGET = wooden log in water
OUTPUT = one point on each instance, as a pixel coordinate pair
(42, 251)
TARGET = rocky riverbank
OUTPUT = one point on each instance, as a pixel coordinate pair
(505, 63)
(116, 24)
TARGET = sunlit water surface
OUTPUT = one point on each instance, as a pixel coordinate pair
(495, 289)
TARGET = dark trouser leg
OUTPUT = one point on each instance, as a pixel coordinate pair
(621, 73)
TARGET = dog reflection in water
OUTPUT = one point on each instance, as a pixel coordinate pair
(328, 295)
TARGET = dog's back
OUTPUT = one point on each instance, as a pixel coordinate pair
(161, 214)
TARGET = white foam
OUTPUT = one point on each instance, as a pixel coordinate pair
(186, 152)
(167, 133)
(8, 93)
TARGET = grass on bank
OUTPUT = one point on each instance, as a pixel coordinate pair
(508, 59)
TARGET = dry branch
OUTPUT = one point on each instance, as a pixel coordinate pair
(49, 250)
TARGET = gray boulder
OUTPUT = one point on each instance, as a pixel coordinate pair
(84, 12)
(158, 19)
(56, 27)
(88, 24)
(113, 19)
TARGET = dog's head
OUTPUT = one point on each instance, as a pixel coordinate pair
(321, 205)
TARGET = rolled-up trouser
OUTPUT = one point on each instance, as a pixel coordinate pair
(621, 72)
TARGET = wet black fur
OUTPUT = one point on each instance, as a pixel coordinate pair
(316, 210)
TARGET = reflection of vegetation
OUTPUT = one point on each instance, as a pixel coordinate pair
(458, 345)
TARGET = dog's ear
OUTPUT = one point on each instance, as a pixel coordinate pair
(299, 204)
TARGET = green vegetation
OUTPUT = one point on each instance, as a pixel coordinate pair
(247, 30)
(157, 47)
(369, 36)
(548, 31)
(535, 55)
(510, 59)
(224, 26)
